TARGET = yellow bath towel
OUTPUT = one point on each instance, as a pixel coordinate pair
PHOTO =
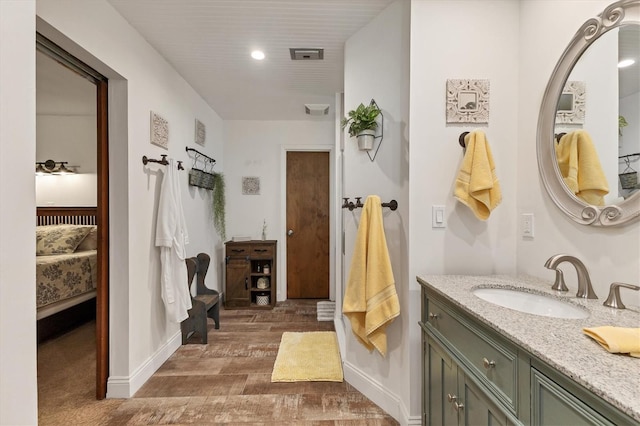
(616, 339)
(580, 167)
(476, 184)
(370, 300)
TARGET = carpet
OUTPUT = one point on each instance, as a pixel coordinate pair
(308, 357)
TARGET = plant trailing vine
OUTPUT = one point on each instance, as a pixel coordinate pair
(218, 205)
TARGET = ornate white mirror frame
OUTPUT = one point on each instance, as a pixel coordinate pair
(622, 12)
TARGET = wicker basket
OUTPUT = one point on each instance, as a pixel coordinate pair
(262, 300)
(628, 180)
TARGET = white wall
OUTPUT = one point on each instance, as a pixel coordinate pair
(254, 148)
(18, 392)
(69, 138)
(377, 66)
(140, 81)
(450, 40)
(611, 254)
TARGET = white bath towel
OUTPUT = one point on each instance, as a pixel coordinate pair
(172, 237)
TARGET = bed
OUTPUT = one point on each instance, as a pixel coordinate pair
(66, 258)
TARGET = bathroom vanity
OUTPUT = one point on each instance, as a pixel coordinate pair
(488, 364)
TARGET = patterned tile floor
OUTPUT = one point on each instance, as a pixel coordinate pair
(225, 382)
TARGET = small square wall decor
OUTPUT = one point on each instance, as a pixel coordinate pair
(159, 131)
(201, 132)
(467, 101)
(571, 105)
(250, 185)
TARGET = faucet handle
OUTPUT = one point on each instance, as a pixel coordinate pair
(559, 284)
(614, 300)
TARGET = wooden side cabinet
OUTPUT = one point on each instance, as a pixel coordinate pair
(250, 274)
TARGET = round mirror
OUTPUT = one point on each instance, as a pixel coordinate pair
(588, 140)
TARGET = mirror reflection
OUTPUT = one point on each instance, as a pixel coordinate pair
(597, 123)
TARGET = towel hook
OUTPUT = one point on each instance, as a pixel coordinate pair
(461, 139)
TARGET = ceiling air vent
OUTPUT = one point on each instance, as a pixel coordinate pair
(306, 53)
(316, 109)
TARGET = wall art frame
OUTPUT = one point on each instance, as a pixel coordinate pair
(200, 133)
(159, 130)
(467, 101)
(572, 103)
(250, 185)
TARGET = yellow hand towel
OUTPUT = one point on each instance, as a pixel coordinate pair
(370, 300)
(476, 184)
(616, 339)
(580, 167)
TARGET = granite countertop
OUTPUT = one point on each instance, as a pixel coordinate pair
(559, 342)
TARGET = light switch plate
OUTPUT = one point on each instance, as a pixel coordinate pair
(438, 219)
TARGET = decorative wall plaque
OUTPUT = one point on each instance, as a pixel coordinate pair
(159, 131)
(201, 132)
(251, 185)
(467, 101)
(571, 105)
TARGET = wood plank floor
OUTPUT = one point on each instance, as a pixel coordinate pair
(225, 382)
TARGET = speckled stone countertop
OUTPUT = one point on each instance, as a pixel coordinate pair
(559, 342)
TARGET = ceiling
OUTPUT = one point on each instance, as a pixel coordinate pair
(209, 43)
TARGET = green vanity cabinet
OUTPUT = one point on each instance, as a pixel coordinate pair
(473, 375)
(452, 397)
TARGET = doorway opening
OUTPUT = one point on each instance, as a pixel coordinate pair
(72, 129)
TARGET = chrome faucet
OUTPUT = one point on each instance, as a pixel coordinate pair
(584, 282)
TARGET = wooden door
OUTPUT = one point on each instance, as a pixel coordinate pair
(307, 225)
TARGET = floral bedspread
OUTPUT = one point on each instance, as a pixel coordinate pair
(63, 276)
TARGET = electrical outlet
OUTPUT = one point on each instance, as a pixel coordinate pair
(527, 225)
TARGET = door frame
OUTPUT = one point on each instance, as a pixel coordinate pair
(66, 59)
(282, 248)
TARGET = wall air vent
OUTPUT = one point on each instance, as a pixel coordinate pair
(306, 54)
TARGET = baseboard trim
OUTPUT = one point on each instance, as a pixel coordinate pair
(127, 386)
(380, 396)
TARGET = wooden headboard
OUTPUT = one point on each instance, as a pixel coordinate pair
(66, 215)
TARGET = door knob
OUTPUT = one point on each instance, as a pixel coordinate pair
(290, 232)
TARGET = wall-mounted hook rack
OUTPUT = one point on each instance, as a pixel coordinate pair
(199, 154)
(392, 205)
(163, 161)
(559, 136)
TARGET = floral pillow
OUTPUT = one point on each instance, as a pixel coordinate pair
(59, 239)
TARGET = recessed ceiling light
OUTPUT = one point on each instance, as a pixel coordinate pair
(625, 63)
(257, 54)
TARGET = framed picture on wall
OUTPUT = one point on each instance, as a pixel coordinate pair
(467, 101)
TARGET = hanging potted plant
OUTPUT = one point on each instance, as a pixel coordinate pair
(362, 124)
(219, 204)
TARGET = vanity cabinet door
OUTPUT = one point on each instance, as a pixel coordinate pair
(440, 385)
(551, 404)
(478, 408)
(451, 398)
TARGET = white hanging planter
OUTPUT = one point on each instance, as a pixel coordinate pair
(365, 140)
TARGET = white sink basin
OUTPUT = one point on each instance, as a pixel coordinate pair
(531, 303)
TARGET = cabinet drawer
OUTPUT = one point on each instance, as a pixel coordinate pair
(262, 252)
(236, 250)
(492, 360)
